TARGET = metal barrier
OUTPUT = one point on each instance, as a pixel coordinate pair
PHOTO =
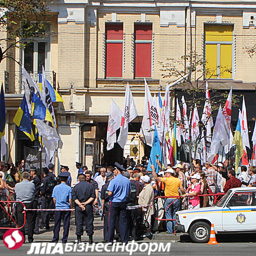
(216, 196)
(9, 213)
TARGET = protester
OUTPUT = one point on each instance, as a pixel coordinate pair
(100, 179)
(193, 192)
(172, 203)
(179, 172)
(88, 175)
(37, 182)
(25, 192)
(146, 199)
(204, 200)
(252, 180)
(211, 176)
(243, 176)
(233, 182)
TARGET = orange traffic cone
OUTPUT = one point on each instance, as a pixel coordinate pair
(212, 239)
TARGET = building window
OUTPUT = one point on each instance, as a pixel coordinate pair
(36, 53)
(218, 51)
(114, 49)
(143, 49)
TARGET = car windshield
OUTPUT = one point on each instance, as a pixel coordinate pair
(223, 199)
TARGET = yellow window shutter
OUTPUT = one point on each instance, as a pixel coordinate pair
(211, 61)
(225, 61)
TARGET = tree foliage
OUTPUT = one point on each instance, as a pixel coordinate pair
(22, 19)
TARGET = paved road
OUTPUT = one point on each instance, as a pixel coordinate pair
(230, 245)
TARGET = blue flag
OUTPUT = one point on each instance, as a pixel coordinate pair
(2, 113)
(160, 100)
(156, 153)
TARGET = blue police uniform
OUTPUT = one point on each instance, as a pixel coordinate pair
(62, 195)
(120, 187)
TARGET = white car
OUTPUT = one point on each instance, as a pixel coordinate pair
(235, 212)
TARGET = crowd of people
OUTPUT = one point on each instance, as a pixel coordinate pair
(131, 200)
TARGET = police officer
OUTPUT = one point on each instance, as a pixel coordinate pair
(83, 195)
(118, 190)
(35, 179)
(49, 182)
(64, 168)
(79, 168)
(105, 203)
(62, 199)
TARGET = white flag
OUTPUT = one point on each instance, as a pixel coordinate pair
(227, 109)
(244, 127)
(114, 123)
(29, 87)
(3, 147)
(185, 133)
(178, 124)
(195, 127)
(129, 113)
(149, 120)
(159, 125)
(220, 135)
(254, 146)
(206, 116)
(48, 133)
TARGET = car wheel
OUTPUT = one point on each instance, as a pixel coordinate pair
(199, 232)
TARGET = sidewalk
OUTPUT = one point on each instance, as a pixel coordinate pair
(46, 235)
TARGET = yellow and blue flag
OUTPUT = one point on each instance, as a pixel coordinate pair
(55, 97)
(39, 111)
(238, 142)
(2, 113)
(23, 121)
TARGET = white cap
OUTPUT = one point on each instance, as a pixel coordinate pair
(145, 179)
(196, 176)
(204, 168)
(169, 170)
(220, 165)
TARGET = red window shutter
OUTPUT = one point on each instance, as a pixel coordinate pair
(114, 49)
(143, 40)
(143, 60)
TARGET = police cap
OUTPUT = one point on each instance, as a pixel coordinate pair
(51, 166)
(64, 174)
(119, 166)
(64, 167)
(77, 163)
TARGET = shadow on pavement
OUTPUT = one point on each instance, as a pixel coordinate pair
(226, 238)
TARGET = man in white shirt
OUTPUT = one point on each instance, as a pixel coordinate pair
(244, 177)
(101, 180)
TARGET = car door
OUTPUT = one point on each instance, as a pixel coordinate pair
(239, 213)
